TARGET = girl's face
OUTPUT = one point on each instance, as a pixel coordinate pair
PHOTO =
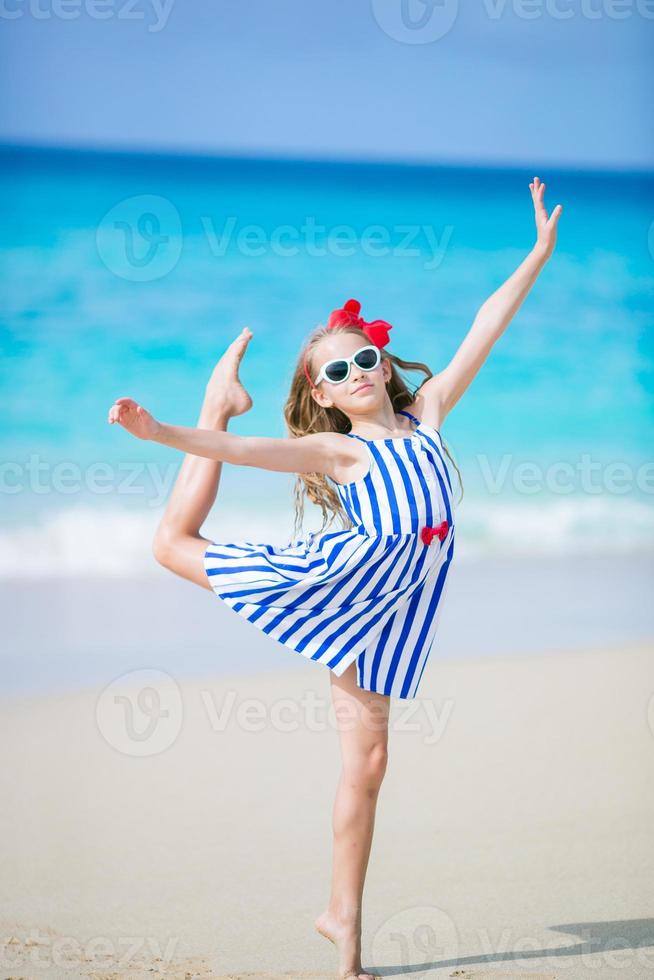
(363, 390)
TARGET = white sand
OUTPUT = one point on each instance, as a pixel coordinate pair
(514, 837)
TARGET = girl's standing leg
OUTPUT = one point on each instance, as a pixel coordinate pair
(177, 543)
(362, 718)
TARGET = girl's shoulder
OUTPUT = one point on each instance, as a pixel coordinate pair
(427, 405)
(346, 457)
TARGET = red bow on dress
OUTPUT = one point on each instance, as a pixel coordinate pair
(440, 531)
(348, 316)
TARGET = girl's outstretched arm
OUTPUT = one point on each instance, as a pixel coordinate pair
(318, 452)
(442, 391)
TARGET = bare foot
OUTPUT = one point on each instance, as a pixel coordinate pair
(225, 394)
(346, 936)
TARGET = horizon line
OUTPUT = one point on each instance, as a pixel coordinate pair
(243, 157)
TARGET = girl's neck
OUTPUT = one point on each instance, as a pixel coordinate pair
(385, 420)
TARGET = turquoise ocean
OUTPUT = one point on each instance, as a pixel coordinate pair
(129, 274)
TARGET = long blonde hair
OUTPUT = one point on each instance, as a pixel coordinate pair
(304, 415)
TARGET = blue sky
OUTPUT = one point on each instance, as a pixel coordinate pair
(537, 82)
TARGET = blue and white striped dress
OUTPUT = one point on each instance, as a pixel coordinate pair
(371, 593)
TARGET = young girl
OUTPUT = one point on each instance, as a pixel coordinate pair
(363, 601)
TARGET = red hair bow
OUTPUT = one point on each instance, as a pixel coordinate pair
(440, 531)
(348, 316)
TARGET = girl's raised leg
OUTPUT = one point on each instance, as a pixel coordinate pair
(362, 718)
(178, 544)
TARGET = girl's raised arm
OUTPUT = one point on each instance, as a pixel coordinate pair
(314, 453)
(442, 391)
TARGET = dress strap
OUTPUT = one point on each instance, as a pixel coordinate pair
(353, 435)
(402, 412)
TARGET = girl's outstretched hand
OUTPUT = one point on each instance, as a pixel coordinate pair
(545, 227)
(133, 417)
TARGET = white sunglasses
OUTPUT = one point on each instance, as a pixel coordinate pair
(338, 369)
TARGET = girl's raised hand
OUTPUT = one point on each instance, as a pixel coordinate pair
(545, 226)
(133, 417)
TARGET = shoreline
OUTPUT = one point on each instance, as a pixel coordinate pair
(71, 632)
